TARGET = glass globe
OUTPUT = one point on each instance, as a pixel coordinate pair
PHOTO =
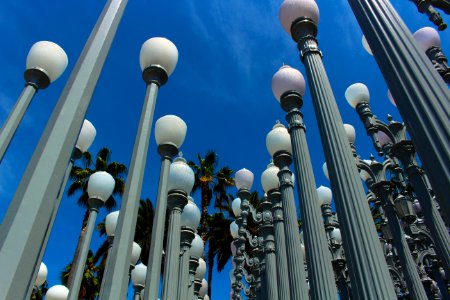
(269, 178)
(138, 275)
(86, 136)
(233, 248)
(197, 247)
(236, 206)
(49, 58)
(325, 195)
(57, 292)
(100, 185)
(278, 139)
(325, 170)
(427, 37)
(357, 93)
(234, 230)
(366, 45)
(291, 10)
(336, 235)
(206, 297)
(170, 129)
(389, 95)
(203, 289)
(287, 79)
(201, 270)
(190, 217)
(42, 275)
(181, 176)
(243, 179)
(159, 51)
(383, 138)
(135, 253)
(111, 222)
(350, 132)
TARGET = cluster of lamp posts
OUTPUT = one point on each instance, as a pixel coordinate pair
(421, 97)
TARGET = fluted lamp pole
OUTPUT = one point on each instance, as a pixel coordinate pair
(278, 142)
(180, 184)
(100, 187)
(368, 269)
(158, 58)
(238, 258)
(196, 251)
(288, 86)
(138, 279)
(170, 132)
(46, 61)
(190, 219)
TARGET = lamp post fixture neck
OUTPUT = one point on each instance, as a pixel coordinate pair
(440, 62)
(37, 78)
(155, 74)
(167, 151)
(304, 32)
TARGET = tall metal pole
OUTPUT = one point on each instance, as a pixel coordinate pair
(156, 247)
(239, 260)
(193, 264)
(320, 270)
(187, 235)
(297, 274)
(24, 226)
(368, 269)
(80, 263)
(176, 202)
(421, 95)
(116, 283)
(284, 290)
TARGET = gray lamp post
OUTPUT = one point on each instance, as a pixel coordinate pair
(288, 86)
(278, 144)
(196, 251)
(190, 218)
(46, 61)
(180, 184)
(199, 275)
(100, 187)
(57, 292)
(170, 132)
(238, 257)
(138, 279)
(422, 98)
(427, 7)
(158, 59)
(28, 218)
(368, 268)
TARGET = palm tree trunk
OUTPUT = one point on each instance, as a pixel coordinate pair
(78, 249)
(204, 217)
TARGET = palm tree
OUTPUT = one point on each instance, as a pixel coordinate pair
(80, 176)
(211, 183)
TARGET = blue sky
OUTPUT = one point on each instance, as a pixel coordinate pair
(229, 51)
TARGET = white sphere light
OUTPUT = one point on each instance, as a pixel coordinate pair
(233, 248)
(287, 79)
(204, 289)
(427, 38)
(325, 170)
(181, 176)
(57, 292)
(291, 10)
(201, 269)
(138, 275)
(366, 45)
(357, 93)
(350, 132)
(190, 217)
(206, 297)
(269, 178)
(47, 57)
(325, 195)
(42, 275)
(161, 52)
(336, 235)
(86, 136)
(236, 206)
(100, 185)
(111, 222)
(243, 179)
(197, 247)
(389, 95)
(383, 138)
(278, 139)
(170, 129)
(135, 253)
(234, 230)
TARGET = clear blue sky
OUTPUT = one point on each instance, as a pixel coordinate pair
(229, 51)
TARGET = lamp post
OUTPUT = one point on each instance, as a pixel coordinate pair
(27, 220)
(190, 219)
(278, 144)
(288, 86)
(180, 183)
(368, 268)
(427, 7)
(158, 59)
(199, 275)
(203, 290)
(46, 61)
(138, 280)
(196, 251)
(57, 292)
(238, 257)
(422, 98)
(100, 187)
(170, 132)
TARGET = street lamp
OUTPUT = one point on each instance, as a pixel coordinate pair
(57, 292)
(180, 183)
(21, 242)
(46, 61)
(199, 276)
(158, 58)
(138, 280)
(100, 187)
(203, 290)
(196, 251)
(300, 19)
(288, 86)
(41, 276)
(170, 132)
